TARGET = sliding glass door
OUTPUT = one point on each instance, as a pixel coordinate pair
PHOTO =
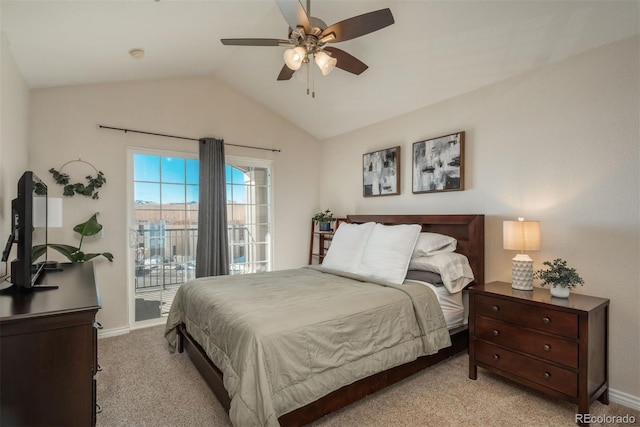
(249, 215)
(163, 228)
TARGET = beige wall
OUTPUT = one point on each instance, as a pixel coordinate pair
(14, 106)
(63, 126)
(559, 145)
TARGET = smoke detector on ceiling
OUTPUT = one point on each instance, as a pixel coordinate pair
(137, 53)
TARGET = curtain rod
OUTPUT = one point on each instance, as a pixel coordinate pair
(273, 150)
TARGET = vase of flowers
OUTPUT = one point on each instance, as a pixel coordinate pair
(559, 277)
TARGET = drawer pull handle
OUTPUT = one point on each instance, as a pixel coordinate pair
(546, 375)
(495, 308)
(547, 347)
(496, 357)
(495, 333)
(546, 320)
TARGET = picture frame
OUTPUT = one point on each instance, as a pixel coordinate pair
(381, 172)
(438, 164)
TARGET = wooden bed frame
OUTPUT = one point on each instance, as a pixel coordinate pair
(467, 229)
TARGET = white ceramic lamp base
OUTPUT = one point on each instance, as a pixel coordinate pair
(522, 272)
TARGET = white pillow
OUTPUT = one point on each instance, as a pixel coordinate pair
(347, 247)
(453, 267)
(388, 252)
(433, 243)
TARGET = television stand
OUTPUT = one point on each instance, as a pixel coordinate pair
(17, 290)
(42, 288)
(49, 350)
(38, 286)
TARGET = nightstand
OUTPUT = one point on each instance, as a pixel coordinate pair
(558, 346)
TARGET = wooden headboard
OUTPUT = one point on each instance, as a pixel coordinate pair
(467, 229)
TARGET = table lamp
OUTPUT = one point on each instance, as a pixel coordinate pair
(521, 236)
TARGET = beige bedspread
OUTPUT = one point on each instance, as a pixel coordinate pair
(286, 338)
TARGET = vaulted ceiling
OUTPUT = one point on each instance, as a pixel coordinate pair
(435, 49)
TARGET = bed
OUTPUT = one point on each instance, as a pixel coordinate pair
(269, 366)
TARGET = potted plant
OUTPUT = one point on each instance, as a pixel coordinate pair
(560, 277)
(87, 228)
(323, 219)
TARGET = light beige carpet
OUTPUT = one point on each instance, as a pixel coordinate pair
(142, 384)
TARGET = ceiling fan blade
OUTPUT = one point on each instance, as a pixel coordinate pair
(359, 25)
(294, 14)
(255, 42)
(286, 73)
(347, 61)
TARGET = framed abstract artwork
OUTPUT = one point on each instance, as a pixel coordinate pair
(438, 164)
(381, 173)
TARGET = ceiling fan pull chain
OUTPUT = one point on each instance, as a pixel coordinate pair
(313, 76)
(308, 77)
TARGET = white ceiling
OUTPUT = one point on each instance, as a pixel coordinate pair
(435, 49)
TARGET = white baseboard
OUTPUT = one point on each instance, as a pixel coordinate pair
(625, 399)
(149, 323)
(106, 333)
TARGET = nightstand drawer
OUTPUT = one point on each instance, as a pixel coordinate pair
(556, 349)
(541, 318)
(553, 377)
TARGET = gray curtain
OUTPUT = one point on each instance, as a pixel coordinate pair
(212, 251)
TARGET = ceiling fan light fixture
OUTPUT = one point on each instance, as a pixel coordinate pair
(325, 62)
(293, 57)
(327, 38)
(300, 32)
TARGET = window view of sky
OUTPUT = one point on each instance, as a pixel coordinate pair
(175, 180)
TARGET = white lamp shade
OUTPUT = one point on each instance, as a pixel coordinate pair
(53, 208)
(521, 235)
(293, 57)
(325, 62)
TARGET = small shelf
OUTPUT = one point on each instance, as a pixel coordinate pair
(320, 241)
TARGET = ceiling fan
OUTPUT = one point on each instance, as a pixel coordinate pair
(308, 39)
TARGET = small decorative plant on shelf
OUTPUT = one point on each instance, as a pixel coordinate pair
(560, 277)
(323, 219)
(90, 227)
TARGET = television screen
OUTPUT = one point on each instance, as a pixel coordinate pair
(29, 217)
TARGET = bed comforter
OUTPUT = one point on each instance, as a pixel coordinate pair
(286, 338)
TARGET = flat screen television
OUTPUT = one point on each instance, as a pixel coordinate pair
(29, 213)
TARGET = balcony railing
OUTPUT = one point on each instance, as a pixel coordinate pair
(166, 257)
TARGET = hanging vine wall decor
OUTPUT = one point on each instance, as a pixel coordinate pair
(90, 189)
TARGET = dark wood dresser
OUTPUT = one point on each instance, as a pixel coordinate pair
(49, 350)
(558, 346)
